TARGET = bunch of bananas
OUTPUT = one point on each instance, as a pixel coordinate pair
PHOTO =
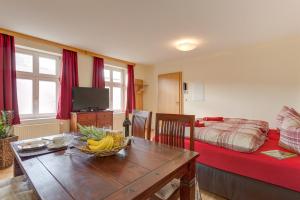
(118, 138)
(109, 142)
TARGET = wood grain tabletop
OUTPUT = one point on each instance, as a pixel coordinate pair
(134, 173)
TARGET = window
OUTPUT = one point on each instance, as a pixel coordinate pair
(115, 82)
(37, 83)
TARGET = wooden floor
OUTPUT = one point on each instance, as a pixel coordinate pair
(8, 173)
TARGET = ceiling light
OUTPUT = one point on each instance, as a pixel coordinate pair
(186, 44)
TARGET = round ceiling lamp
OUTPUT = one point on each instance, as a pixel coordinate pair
(186, 44)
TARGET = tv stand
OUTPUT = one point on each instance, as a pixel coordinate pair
(91, 110)
(98, 118)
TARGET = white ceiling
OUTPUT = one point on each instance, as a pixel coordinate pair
(143, 30)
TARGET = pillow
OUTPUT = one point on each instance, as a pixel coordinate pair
(290, 139)
(199, 123)
(285, 111)
(294, 112)
(217, 119)
(281, 115)
(290, 121)
(290, 133)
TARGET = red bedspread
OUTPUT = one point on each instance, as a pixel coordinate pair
(284, 173)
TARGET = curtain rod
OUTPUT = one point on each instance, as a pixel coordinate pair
(62, 46)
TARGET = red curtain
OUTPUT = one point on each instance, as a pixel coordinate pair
(130, 90)
(68, 80)
(8, 79)
(98, 73)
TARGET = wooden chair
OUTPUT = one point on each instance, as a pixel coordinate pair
(141, 124)
(170, 130)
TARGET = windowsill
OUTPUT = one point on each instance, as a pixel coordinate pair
(38, 120)
(53, 119)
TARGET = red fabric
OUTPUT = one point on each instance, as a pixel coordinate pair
(8, 79)
(284, 173)
(198, 123)
(68, 80)
(169, 139)
(98, 73)
(217, 119)
(130, 90)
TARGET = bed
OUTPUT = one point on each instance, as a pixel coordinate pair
(236, 175)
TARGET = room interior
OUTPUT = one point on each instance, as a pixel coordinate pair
(220, 79)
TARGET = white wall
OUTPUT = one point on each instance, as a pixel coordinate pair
(252, 82)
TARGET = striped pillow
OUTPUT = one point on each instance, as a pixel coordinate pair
(285, 112)
(290, 133)
(281, 115)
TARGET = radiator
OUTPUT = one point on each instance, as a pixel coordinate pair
(28, 131)
(42, 129)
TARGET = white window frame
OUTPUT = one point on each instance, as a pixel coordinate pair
(35, 76)
(112, 84)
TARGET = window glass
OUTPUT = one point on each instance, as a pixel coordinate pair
(107, 75)
(24, 62)
(117, 98)
(47, 66)
(25, 96)
(114, 81)
(116, 77)
(47, 97)
(37, 83)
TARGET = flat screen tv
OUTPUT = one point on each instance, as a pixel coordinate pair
(90, 99)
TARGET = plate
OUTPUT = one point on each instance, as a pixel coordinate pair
(34, 144)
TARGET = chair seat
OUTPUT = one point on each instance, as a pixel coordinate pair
(168, 190)
(16, 189)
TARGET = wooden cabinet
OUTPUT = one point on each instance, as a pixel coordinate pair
(98, 119)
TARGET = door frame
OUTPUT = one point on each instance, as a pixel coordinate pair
(180, 89)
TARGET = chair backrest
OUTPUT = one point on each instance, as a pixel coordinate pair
(141, 124)
(170, 129)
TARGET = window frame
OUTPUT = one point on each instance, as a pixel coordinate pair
(112, 84)
(35, 76)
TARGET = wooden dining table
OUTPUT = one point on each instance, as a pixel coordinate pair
(134, 173)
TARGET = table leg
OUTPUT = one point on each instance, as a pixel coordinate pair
(187, 182)
(17, 169)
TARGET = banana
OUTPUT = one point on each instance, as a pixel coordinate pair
(105, 144)
(101, 145)
(118, 139)
(112, 140)
(93, 142)
(110, 144)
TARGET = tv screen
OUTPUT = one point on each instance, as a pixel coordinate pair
(87, 99)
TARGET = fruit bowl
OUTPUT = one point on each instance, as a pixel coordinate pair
(101, 153)
(111, 144)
